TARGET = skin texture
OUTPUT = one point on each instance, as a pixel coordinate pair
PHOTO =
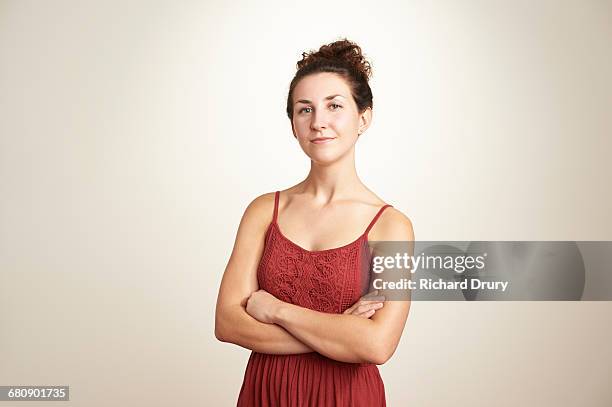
(317, 214)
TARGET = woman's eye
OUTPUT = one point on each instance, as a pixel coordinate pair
(303, 109)
(335, 106)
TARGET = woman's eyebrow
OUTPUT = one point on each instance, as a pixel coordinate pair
(326, 98)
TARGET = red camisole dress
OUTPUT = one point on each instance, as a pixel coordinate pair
(327, 281)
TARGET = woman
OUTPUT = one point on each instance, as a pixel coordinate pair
(293, 290)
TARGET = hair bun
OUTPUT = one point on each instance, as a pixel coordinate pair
(342, 58)
(343, 51)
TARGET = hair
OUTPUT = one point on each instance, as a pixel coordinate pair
(344, 58)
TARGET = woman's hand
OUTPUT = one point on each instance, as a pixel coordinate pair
(367, 305)
(262, 306)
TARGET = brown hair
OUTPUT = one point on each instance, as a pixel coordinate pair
(341, 57)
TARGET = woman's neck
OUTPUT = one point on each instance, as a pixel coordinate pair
(333, 181)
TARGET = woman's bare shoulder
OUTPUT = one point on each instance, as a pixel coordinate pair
(261, 209)
(393, 225)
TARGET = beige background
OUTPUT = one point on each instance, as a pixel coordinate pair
(134, 134)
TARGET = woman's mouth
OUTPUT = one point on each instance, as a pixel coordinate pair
(322, 140)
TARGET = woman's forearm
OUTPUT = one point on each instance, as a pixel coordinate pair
(236, 326)
(343, 337)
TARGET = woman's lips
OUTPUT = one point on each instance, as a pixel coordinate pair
(322, 140)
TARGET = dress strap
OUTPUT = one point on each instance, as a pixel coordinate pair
(376, 218)
(275, 216)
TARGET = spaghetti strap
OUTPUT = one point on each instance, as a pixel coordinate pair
(376, 218)
(275, 216)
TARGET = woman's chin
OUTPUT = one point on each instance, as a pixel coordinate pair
(326, 156)
(325, 159)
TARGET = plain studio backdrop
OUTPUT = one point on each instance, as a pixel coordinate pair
(134, 134)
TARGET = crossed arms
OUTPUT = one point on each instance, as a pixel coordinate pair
(256, 320)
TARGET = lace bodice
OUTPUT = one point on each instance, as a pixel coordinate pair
(327, 280)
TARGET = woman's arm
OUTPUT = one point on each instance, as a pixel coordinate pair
(232, 323)
(346, 338)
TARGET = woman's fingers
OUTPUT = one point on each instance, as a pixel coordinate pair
(369, 313)
(367, 305)
(367, 309)
(350, 309)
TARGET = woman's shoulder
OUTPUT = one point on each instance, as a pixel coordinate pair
(262, 201)
(260, 211)
(392, 225)
(256, 219)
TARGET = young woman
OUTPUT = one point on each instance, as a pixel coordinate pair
(293, 290)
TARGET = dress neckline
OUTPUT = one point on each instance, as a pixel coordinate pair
(274, 223)
(280, 232)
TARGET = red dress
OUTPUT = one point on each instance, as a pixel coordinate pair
(327, 281)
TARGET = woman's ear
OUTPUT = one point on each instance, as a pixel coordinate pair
(365, 119)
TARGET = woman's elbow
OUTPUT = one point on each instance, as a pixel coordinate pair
(229, 324)
(221, 331)
(380, 353)
(219, 334)
(381, 359)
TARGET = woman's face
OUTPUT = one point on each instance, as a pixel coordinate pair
(326, 121)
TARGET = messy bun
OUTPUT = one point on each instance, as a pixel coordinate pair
(344, 58)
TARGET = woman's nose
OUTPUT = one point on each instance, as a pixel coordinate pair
(319, 120)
